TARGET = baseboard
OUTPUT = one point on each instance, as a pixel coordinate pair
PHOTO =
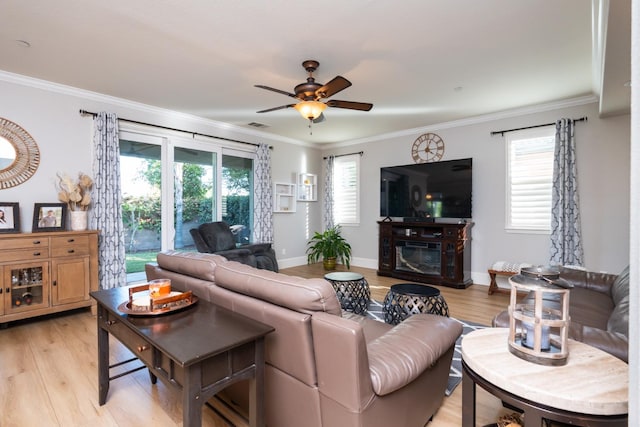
(291, 262)
(477, 278)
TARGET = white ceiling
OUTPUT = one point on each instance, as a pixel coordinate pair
(419, 62)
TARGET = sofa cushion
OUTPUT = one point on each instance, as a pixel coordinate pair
(295, 293)
(217, 236)
(595, 281)
(619, 320)
(589, 307)
(194, 264)
(292, 331)
(620, 287)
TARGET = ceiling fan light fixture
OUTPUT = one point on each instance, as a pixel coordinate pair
(310, 110)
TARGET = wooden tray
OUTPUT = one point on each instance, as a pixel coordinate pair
(175, 301)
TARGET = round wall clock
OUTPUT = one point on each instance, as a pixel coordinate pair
(428, 147)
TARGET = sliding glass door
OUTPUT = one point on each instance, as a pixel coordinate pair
(194, 177)
(171, 185)
(141, 178)
(237, 195)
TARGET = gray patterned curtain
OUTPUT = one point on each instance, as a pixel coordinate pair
(328, 193)
(566, 236)
(107, 201)
(262, 196)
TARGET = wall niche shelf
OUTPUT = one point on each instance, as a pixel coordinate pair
(284, 197)
(307, 187)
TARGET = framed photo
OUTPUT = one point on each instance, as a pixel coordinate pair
(49, 217)
(9, 217)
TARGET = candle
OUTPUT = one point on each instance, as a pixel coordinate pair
(159, 287)
(529, 338)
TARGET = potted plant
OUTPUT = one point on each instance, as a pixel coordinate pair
(329, 246)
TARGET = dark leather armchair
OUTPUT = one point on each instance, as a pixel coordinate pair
(217, 238)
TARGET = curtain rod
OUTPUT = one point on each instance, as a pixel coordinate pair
(502, 132)
(89, 113)
(340, 155)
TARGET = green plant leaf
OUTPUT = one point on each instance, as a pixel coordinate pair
(329, 244)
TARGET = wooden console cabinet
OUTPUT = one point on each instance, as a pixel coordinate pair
(434, 253)
(43, 273)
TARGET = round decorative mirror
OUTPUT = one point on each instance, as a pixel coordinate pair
(19, 154)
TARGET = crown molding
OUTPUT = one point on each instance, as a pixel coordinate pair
(263, 136)
(505, 114)
(143, 108)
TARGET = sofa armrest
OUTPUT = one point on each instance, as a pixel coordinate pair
(234, 253)
(593, 280)
(256, 248)
(613, 343)
(406, 351)
(344, 360)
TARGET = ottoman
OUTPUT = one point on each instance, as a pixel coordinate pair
(405, 299)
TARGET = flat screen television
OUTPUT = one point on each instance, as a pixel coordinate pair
(427, 190)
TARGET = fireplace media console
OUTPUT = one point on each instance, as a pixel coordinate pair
(428, 252)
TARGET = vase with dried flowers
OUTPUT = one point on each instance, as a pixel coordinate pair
(76, 194)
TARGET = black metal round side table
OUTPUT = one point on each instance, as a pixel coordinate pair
(351, 289)
(405, 299)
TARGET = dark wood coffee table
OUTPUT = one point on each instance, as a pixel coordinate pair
(200, 350)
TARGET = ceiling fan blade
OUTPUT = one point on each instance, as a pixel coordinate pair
(276, 90)
(334, 86)
(362, 106)
(320, 118)
(282, 107)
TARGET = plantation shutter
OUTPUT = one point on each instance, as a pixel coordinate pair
(346, 189)
(529, 183)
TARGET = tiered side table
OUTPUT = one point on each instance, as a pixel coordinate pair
(351, 289)
(405, 299)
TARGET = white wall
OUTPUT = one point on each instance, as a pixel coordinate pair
(293, 230)
(50, 114)
(61, 134)
(603, 174)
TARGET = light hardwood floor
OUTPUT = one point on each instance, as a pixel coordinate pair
(48, 371)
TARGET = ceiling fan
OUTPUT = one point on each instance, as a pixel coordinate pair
(311, 93)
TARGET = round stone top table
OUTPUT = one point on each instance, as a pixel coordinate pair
(351, 289)
(591, 389)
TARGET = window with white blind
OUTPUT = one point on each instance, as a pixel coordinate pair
(346, 190)
(529, 179)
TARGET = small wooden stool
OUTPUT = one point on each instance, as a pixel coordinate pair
(503, 268)
(493, 285)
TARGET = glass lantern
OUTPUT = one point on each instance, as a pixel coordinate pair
(539, 325)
